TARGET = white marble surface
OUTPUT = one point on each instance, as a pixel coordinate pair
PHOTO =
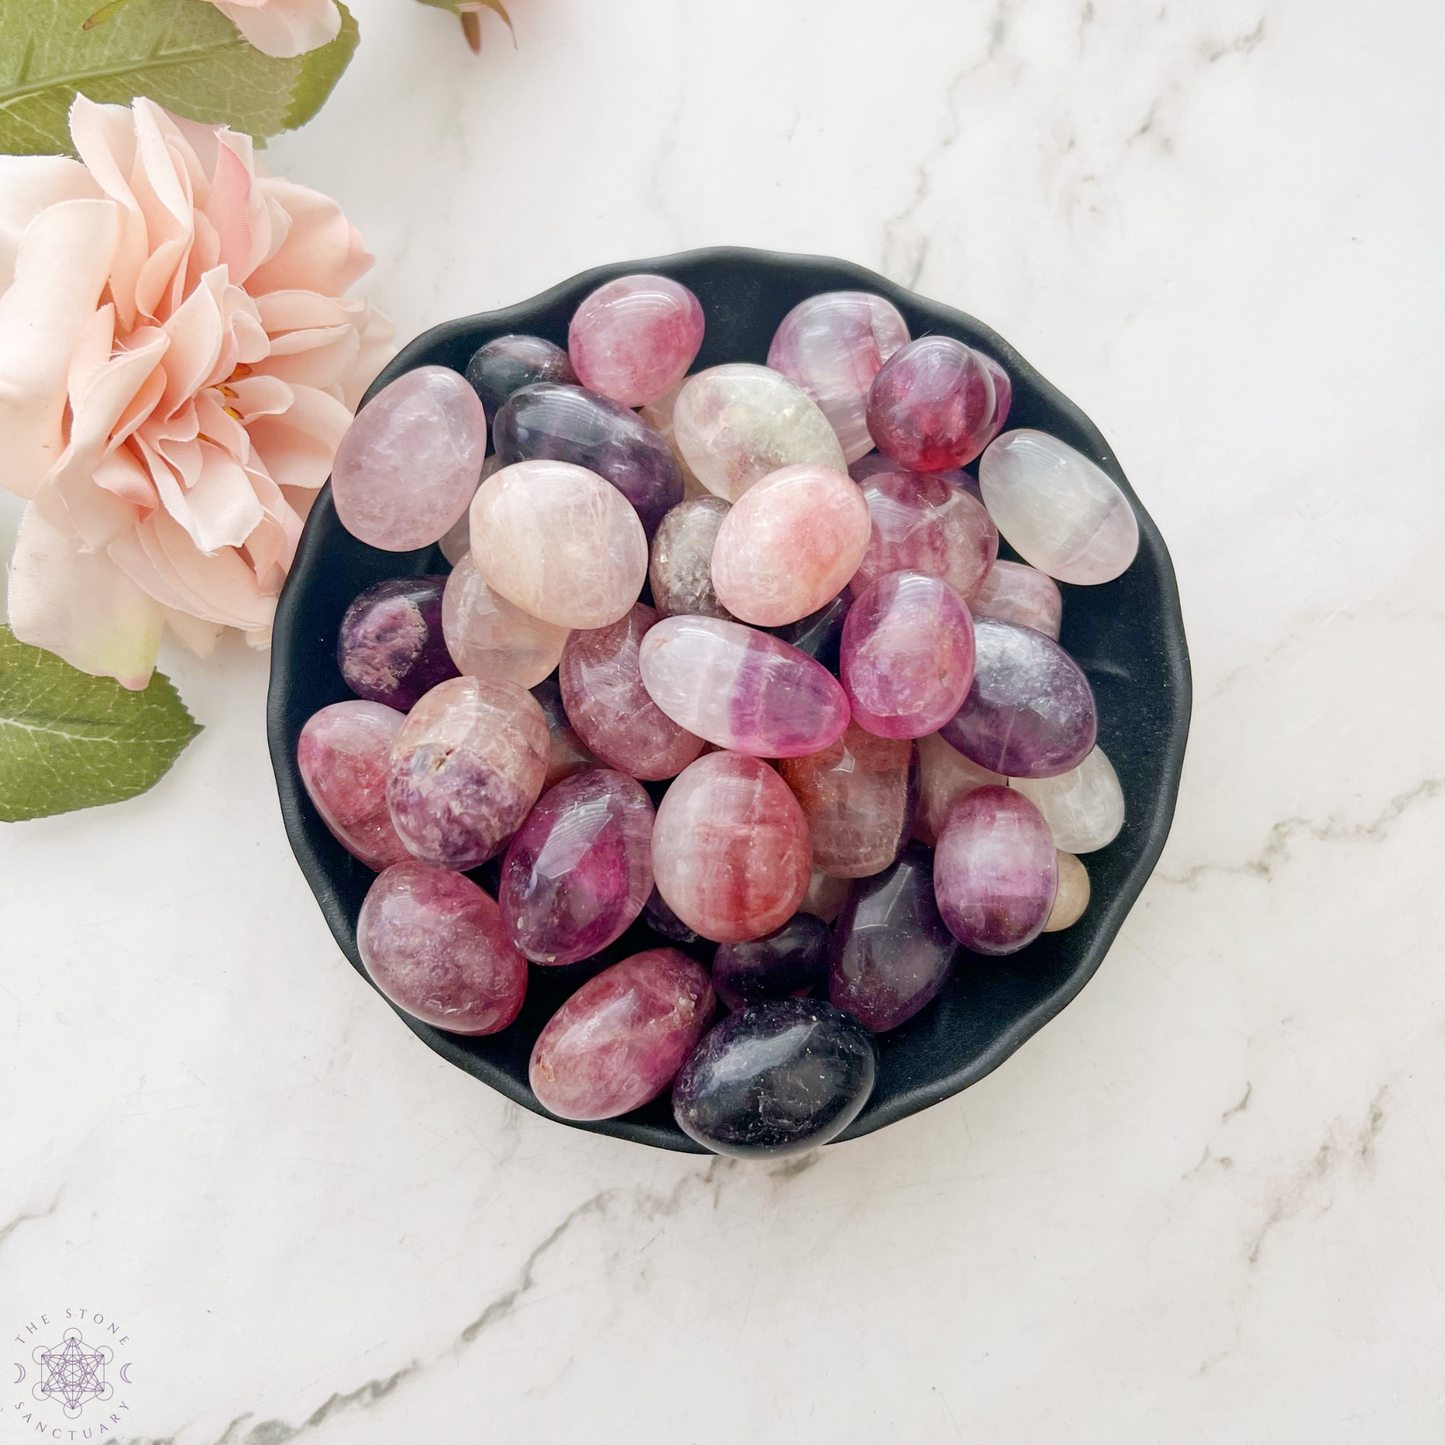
(1206, 1204)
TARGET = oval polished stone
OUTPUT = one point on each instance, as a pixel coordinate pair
(1058, 509)
(579, 869)
(434, 944)
(391, 646)
(891, 951)
(1073, 896)
(789, 545)
(465, 770)
(820, 633)
(506, 364)
(680, 569)
(1030, 711)
(567, 754)
(740, 689)
(621, 1038)
(488, 637)
(1084, 807)
(559, 542)
(789, 960)
(408, 465)
(730, 852)
(995, 871)
(832, 345)
(342, 755)
(1015, 592)
(926, 523)
(944, 776)
(907, 656)
(551, 422)
(858, 798)
(634, 338)
(736, 423)
(776, 1078)
(602, 689)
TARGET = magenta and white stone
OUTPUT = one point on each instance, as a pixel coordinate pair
(1015, 592)
(634, 338)
(1084, 807)
(945, 776)
(488, 637)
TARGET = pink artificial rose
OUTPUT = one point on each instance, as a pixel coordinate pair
(283, 27)
(178, 361)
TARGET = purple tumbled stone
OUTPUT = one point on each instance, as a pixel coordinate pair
(661, 919)
(820, 633)
(788, 961)
(1015, 592)
(1030, 711)
(506, 364)
(995, 871)
(391, 647)
(579, 869)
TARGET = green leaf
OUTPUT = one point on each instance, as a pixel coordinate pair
(183, 54)
(69, 740)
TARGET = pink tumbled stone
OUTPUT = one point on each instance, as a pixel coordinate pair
(926, 523)
(789, 544)
(620, 1039)
(343, 754)
(434, 944)
(488, 637)
(607, 703)
(1015, 592)
(730, 850)
(741, 689)
(945, 776)
(907, 656)
(410, 462)
(634, 338)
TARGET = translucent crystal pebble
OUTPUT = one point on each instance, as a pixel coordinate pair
(602, 689)
(489, 637)
(508, 363)
(680, 570)
(1015, 592)
(741, 689)
(571, 424)
(891, 951)
(409, 464)
(926, 523)
(775, 1078)
(458, 539)
(634, 338)
(826, 896)
(579, 869)
(934, 405)
(567, 754)
(995, 871)
(832, 345)
(391, 646)
(789, 545)
(730, 851)
(661, 919)
(907, 656)
(858, 797)
(466, 768)
(1057, 509)
(789, 960)
(736, 423)
(434, 944)
(658, 415)
(1073, 896)
(944, 776)
(559, 542)
(621, 1038)
(1084, 807)
(1030, 711)
(343, 754)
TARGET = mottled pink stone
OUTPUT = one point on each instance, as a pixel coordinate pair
(995, 871)
(1015, 592)
(434, 944)
(465, 770)
(789, 545)
(343, 754)
(410, 462)
(857, 796)
(579, 869)
(602, 689)
(488, 637)
(741, 689)
(634, 338)
(832, 345)
(907, 656)
(621, 1038)
(926, 523)
(730, 851)
(567, 754)
(944, 776)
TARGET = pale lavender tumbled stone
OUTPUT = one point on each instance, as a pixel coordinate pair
(410, 462)
(1016, 592)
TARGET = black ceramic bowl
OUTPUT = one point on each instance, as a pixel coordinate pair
(1127, 635)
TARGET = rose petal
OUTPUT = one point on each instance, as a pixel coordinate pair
(322, 251)
(283, 28)
(27, 185)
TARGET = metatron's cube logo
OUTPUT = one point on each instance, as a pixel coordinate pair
(71, 1373)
